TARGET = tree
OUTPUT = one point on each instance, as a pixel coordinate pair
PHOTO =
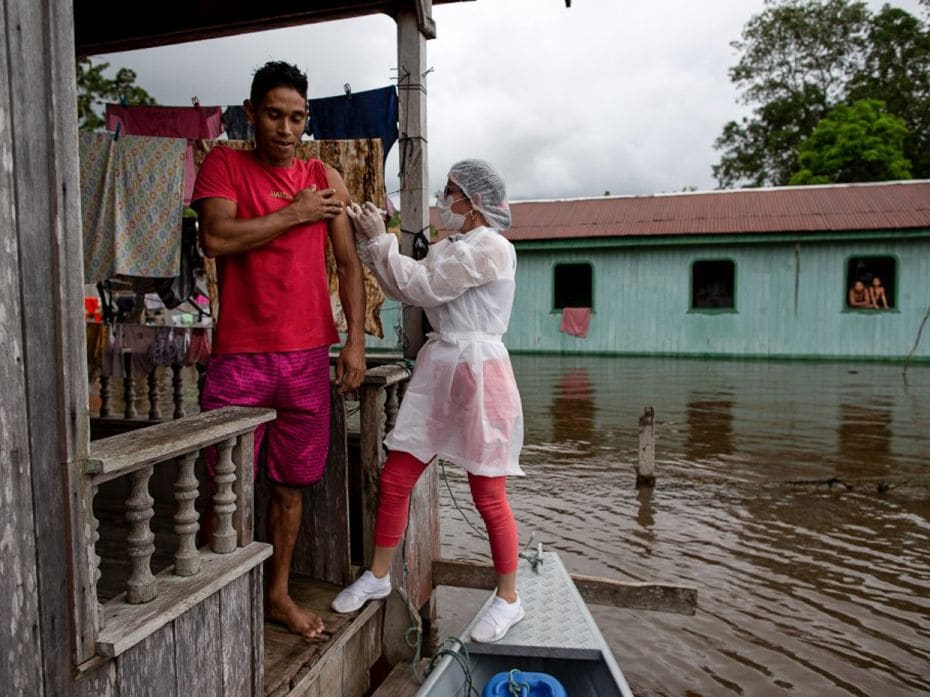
(861, 142)
(799, 59)
(897, 71)
(795, 56)
(95, 89)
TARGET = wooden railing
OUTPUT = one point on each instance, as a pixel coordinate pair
(379, 399)
(149, 602)
(129, 392)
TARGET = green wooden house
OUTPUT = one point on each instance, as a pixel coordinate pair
(746, 273)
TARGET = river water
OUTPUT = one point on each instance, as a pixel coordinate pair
(794, 495)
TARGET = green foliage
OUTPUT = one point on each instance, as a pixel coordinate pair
(861, 142)
(801, 58)
(95, 89)
(897, 71)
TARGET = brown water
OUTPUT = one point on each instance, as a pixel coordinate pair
(805, 587)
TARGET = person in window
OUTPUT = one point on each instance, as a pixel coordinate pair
(462, 404)
(877, 294)
(860, 296)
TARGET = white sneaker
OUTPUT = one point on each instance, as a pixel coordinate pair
(497, 620)
(367, 587)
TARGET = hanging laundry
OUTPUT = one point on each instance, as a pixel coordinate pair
(190, 122)
(237, 124)
(138, 339)
(238, 127)
(575, 321)
(97, 342)
(199, 349)
(112, 363)
(164, 348)
(131, 205)
(368, 114)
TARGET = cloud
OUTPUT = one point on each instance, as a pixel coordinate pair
(620, 96)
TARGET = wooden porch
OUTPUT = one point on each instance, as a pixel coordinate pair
(351, 657)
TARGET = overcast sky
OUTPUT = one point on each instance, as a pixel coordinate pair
(626, 96)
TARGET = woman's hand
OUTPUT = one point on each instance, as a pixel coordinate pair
(367, 221)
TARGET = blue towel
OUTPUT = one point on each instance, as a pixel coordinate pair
(368, 114)
(237, 125)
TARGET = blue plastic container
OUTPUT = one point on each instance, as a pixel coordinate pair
(531, 685)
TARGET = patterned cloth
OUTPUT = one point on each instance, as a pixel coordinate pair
(131, 205)
(169, 122)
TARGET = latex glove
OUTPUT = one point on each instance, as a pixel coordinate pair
(368, 221)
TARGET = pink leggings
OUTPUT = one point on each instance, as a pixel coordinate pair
(400, 474)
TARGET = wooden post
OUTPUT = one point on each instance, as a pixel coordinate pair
(414, 172)
(187, 558)
(646, 467)
(104, 395)
(224, 500)
(141, 586)
(177, 390)
(244, 488)
(372, 420)
(154, 411)
(129, 387)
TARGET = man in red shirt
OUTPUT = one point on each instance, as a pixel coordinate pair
(265, 215)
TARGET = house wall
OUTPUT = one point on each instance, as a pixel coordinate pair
(214, 649)
(642, 297)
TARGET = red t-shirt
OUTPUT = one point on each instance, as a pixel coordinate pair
(273, 298)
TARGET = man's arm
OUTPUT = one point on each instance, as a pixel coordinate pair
(350, 366)
(222, 233)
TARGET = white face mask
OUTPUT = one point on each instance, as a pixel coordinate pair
(449, 219)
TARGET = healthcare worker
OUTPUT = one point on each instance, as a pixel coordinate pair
(462, 404)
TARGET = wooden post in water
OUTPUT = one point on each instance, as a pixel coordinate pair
(646, 466)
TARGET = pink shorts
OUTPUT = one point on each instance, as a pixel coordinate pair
(295, 383)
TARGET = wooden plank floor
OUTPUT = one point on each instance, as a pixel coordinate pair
(289, 657)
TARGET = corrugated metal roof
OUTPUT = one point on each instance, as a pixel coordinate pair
(834, 208)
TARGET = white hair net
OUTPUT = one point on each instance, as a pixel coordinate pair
(484, 187)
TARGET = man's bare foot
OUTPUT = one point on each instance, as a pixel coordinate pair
(297, 619)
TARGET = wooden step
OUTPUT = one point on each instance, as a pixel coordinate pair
(336, 665)
(401, 681)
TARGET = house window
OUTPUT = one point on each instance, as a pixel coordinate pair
(875, 274)
(713, 285)
(573, 287)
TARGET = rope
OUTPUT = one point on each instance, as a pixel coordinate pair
(516, 688)
(481, 533)
(413, 636)
(460, 656)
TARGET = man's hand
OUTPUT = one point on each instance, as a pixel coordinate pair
(350, 366)
(313, 205)
(368, 221)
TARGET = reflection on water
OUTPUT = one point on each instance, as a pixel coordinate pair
(710, 427)
(865, 441)
(807, 586)
(572, 410)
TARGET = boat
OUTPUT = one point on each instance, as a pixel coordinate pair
(556, 644)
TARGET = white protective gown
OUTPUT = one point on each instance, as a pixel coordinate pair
(462, 403)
